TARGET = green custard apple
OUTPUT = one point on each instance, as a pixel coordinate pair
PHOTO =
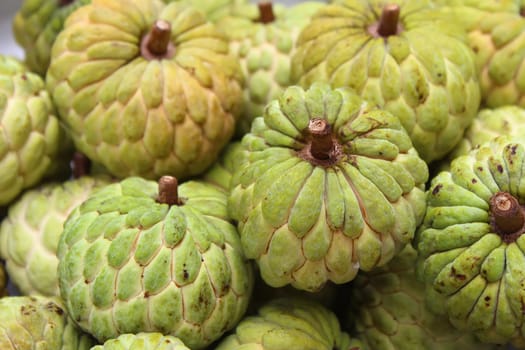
(388, 310)
(39, 323)
(217, 9)
(141, 256)
(142, 341)
(220, 174)
(145, 89)
(470, 244)
(33, 144)
(36, 25)
(293, 324)
(264, 46)
(330, 185)
(30, 234)
(401, 56)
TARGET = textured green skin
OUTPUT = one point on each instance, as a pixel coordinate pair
(145, 117)
(38, 323)
(142, 341)
(304, 224)
(425, 75)
(388, 307)
(35, 27)
(217, 9)
(220, 174)
(32, 141)
(30, 233)
(292, 324)
(265, 51)
(474, 277)
(129, 264)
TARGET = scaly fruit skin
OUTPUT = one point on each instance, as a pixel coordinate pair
(425, 75)
(30, 233)
(35, 27)
(290, 323)
(307, 221)
(38, 322)
(143, 341)
(388, 308)
(475, 273)
(217, 9)
(139, 116)
(129, 264)
(220, 174)
(32, 142)
(265, 50)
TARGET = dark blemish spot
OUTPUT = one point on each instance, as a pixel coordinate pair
(474, 181)
(500, 168)
(146, 294)
(487, 298)
(513, 149)
(185, 274)
(24, 77)
(436, 189)
(480, 168)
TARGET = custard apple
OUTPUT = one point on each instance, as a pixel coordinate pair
(217, 9)
(142, 341)
(36, 25)
(39, 323)
(470, 244)
(146, 89)
(264, 46)
(220, 174)
(388, 308)
(138, 256)
(33, 144)
(291, 324)
(402, 57)
(330, 185)
(29, 235)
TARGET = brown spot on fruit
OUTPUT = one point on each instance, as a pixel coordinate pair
(436, 189)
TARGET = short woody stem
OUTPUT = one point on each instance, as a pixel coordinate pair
(159, 38)
(506, 212)
(168, 190)
(81, 165)
(322, 142)
(389, 21)
(266, 14)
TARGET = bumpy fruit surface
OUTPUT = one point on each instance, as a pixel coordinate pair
(470, 244)
(329, 185)
(38, 322)
(264, 46)
(136, 258)
(217, 9)
(36, 25)
(145, 88)
(389, 309)
(30, 233)
(403, 58)
(290, 323)
(143, 341)
(220, 174)
(32, 141)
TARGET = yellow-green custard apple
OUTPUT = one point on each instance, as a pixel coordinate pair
(328, 185)
(401, 56)
(36, 25)
(471, 243)
(145, 89)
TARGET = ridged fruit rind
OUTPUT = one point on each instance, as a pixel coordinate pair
(143, 341)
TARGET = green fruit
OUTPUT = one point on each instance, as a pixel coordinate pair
(145, 105)
(264, 46)
(221, 172)
(29, 235)
(389, 311)
(329, 185)
(36, 25)
(136, 258)
(33, 144)
(142, 341)
(470, 244)
(292, 324)
(217, 9)
(39, 323)
(417, 68)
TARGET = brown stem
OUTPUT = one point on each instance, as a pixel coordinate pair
(168, 190)
(63, 3)
(81, 165)
(266, 14)
(522, 11)
(389, 21)
(507, 214)
(157, 43)
(322, 141)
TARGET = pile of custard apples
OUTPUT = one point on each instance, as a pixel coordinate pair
(258, 175)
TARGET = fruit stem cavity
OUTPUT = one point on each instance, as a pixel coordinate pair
(63, 3)
(168, 191)
(322, 147)
(507, 216)
(80, 165)
(388, 23)
(266, 14)
(157, 42)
